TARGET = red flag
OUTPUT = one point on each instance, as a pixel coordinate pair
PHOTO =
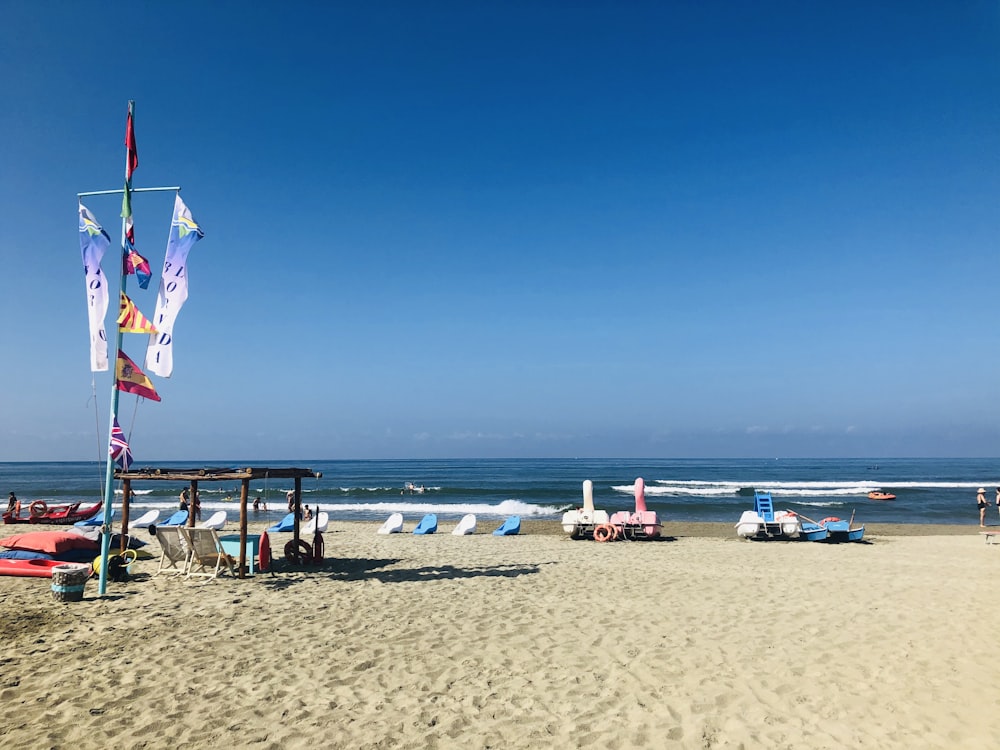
(133, 154)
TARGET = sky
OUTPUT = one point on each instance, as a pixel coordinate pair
(506, 229)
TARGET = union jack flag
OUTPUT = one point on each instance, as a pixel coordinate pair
(119, 449)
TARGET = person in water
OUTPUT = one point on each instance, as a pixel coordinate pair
(981, 502)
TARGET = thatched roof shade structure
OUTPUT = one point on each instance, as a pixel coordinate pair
(193, 476)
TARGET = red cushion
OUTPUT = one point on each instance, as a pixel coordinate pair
(52, 542)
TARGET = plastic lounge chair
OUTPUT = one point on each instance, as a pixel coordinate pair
(322, 520)
(217, 521)
(393, 524)
(428, 524)
(174, 551)
(208, 558)
(92, 521)
(179, 518)
(285, 524)
(466, 526)
(145, 520)
(509, 527)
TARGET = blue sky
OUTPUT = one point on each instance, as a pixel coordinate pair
(705, 229)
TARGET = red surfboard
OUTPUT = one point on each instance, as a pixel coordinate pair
(35, 568)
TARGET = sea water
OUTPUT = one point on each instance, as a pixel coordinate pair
(928, 490)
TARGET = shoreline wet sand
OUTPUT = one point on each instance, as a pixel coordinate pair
(404, 641)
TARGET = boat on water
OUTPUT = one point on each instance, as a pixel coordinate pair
(879, 495)
(39, 512)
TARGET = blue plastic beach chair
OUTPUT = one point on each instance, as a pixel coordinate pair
(92, 521)
(285, 524)
(177, 519)
(509, 527)
(428, 524)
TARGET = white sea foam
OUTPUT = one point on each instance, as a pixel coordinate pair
(702, 488)
(505, 508)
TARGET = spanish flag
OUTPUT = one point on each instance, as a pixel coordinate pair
(131, 320)
(133, 380)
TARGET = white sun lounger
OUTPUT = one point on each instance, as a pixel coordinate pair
(322, 520)
(393, 524)
(466, 526)
(216, 521)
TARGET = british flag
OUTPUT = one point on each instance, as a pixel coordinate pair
(119, 449)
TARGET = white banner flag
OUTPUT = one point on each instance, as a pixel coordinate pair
(94, 242)
(184, 232)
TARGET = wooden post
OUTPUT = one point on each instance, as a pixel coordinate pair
(244, 491)
(193, 494)
(126, 499)
(298, 508)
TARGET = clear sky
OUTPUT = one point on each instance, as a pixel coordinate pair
(502, 229)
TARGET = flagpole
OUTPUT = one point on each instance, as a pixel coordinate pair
(131, 162)
(109, 477)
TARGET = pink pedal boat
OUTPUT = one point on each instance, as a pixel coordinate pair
(643, 523)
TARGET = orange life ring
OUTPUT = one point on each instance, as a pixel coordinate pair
(616, 531)
(298, 553)
(828, 518)
(38, 508)
(603, 532)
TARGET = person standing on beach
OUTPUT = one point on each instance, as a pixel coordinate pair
(14, 507)
(184, 499)
(998, 499)
(981, 502)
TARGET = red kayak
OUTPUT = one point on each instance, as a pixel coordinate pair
(35, 567)
(39, 512)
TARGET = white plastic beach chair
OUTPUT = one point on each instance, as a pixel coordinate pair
(393, 524)
(320, 520)
(466, 526)
(216, 521)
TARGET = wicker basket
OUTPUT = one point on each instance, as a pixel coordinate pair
(68, 581)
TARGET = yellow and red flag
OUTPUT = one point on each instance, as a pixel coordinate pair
(130, 319)
(133, 380)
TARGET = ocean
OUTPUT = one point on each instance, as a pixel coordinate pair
(928, 490)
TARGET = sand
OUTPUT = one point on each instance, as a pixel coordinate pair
(534, 641)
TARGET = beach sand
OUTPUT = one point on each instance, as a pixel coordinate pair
(535, 641)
